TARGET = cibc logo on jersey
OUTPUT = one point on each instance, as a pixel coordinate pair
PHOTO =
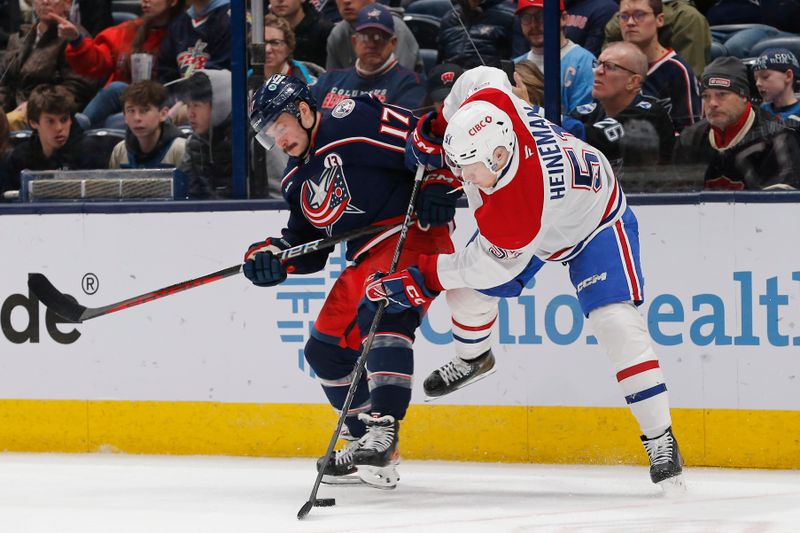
(326, 199)
(480, 125)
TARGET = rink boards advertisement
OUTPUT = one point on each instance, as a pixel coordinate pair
(722, 289)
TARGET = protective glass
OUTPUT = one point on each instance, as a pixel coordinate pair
(269, 135)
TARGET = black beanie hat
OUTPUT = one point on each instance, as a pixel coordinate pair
(726, 73)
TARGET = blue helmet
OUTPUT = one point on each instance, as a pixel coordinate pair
(279, 94)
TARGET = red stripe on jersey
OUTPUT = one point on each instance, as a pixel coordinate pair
(366, 140)
(474, 328)
(612, 201)
(636, 369)
(511, 217)
(627, 257)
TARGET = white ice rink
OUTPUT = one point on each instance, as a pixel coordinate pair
(112, 493)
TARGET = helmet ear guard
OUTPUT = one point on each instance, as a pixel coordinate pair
(473, 134)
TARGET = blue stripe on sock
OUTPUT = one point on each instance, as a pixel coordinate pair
(469, 341)
(645, 394)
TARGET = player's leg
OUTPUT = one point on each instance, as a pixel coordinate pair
(609, 283)
(473, 315)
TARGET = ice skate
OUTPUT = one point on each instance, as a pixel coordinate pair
(666, 462)
(377, 456)
(458, 373)
(340, 469)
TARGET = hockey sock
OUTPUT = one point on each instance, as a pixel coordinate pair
(390, 367)
(474, 314)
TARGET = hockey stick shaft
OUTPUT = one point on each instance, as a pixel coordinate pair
(365, 348)
(66, 307)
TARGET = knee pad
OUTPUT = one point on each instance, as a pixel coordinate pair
(621, 330)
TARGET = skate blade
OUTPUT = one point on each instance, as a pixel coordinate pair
(468, 382)
(379, 477)
(674, 486)
(350, 479)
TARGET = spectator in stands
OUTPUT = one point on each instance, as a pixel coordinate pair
(279, 47)
(576, 61)
(684, 30)
(38, 57)
(151, 141)
(775, 72)
(207, 163)
(10, 17)
(340, 41)
(528, 84)
(56, 140)
(670, 79)
(439, 83)
(199, 38)
(629, 128)
(310, 29)
(744, 148)
(586, 22)
(489, 28)
(108, 56)
(377, 71)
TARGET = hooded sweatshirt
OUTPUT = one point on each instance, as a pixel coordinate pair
(207, 163)
(167, 153)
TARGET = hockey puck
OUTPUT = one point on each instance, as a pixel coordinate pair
(325, 502)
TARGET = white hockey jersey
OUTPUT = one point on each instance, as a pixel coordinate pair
(558, 193)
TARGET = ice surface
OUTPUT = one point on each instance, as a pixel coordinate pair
(112, 493)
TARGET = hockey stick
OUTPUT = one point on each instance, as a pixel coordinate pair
(362, 359)
(67, 307)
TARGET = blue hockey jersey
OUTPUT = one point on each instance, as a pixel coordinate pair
(355, 176)
(672, 82)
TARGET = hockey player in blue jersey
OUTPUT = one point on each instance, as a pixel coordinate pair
(539, 196)
(346, 170)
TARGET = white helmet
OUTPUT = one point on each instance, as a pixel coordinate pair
(474, 132)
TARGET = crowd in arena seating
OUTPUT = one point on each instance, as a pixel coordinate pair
(691, 95)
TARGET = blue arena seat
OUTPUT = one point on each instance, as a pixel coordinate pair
(435, 8)
(425, 29)
(790, 43)
(428, 56)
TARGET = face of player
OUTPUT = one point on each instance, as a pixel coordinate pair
(144, 120)
(288, 134)
(373, 47)
(53, 130)
(722, 108)
(276, 51)
(610, 77)
(532, 21)
(285, 8)
(200, 116)
(349, 9)
(772, 83)
(638, 23)
(479, 174)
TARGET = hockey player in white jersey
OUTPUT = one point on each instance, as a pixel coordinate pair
(538, 195)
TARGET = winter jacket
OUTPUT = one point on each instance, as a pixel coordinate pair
(208, 161)
(107, 56)
(763, 155)
(490, 27)
(167, 153)
(32, 63)
(196, 41)
(28, 155)
(311, 37)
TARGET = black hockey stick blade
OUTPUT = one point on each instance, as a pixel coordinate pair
(67, 307)
(61, 304)
(304, 510)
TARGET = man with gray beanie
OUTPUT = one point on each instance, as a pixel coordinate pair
(744, 147)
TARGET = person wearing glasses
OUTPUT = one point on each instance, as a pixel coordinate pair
(377, 71)
(670, 78)
(576, 61)
(628, 127)
(685, 30)
(279, 45)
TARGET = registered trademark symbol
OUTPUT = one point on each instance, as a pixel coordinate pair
(90, 283)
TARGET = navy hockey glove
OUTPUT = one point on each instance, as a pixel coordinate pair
(261, 266)
(424, 146)
(402, 290)
(436, 205)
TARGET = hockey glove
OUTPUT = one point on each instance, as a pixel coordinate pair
(402, 290)
(436, 205)
(424, 145)
(261, 266)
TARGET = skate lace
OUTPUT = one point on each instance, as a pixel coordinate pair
(660, 449)
(454, 370)
(345, 455)
(378, 438)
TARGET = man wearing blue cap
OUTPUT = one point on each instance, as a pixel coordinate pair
(775, 71)
(377, 71)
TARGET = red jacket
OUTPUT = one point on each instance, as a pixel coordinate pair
(106, 56)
